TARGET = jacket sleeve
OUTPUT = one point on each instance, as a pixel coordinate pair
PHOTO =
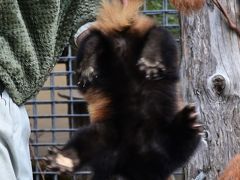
(33, 34)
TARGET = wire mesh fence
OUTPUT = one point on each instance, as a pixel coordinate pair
(59, 109)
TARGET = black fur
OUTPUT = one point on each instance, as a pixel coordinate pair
(144, 138)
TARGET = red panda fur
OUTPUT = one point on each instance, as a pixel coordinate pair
(232, 171)
(186, 6)
(114, 17)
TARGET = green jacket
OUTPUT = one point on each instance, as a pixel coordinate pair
(32, 36)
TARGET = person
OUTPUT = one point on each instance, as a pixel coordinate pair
(32, 35)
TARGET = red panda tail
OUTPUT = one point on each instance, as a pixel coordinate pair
(187, 6)
(232, 171)
(118, 15)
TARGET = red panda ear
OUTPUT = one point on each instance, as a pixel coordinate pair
(187, 6)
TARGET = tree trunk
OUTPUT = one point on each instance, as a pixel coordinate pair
(210, 71)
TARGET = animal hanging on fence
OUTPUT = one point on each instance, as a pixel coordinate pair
(128, 74)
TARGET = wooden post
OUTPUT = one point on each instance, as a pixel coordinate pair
(210, 71)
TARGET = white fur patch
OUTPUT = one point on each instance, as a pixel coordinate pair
(64, 161)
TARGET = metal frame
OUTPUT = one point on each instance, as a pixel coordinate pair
(44, 109)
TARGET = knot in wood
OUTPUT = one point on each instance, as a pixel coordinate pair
(219, 84)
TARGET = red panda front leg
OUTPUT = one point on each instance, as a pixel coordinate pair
(185, 134)
(87, 69)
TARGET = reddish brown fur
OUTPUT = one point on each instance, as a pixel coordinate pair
(171, 177)
(114, 17)
(98, 105)
(187, 6)
(232, 172)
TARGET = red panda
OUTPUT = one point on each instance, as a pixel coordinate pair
(186, 6)
(128, 73)
(232, 171)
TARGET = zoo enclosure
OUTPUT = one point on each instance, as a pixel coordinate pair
(59, 109)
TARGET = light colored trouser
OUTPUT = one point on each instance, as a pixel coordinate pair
(14, 141)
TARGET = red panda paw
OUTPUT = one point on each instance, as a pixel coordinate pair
(187, 118)
(87, 75)
(153, 69)
(63, 162)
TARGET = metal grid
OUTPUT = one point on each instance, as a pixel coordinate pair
(58, 109)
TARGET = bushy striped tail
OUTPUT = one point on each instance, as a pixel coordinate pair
(187, 6)
(120, 15)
